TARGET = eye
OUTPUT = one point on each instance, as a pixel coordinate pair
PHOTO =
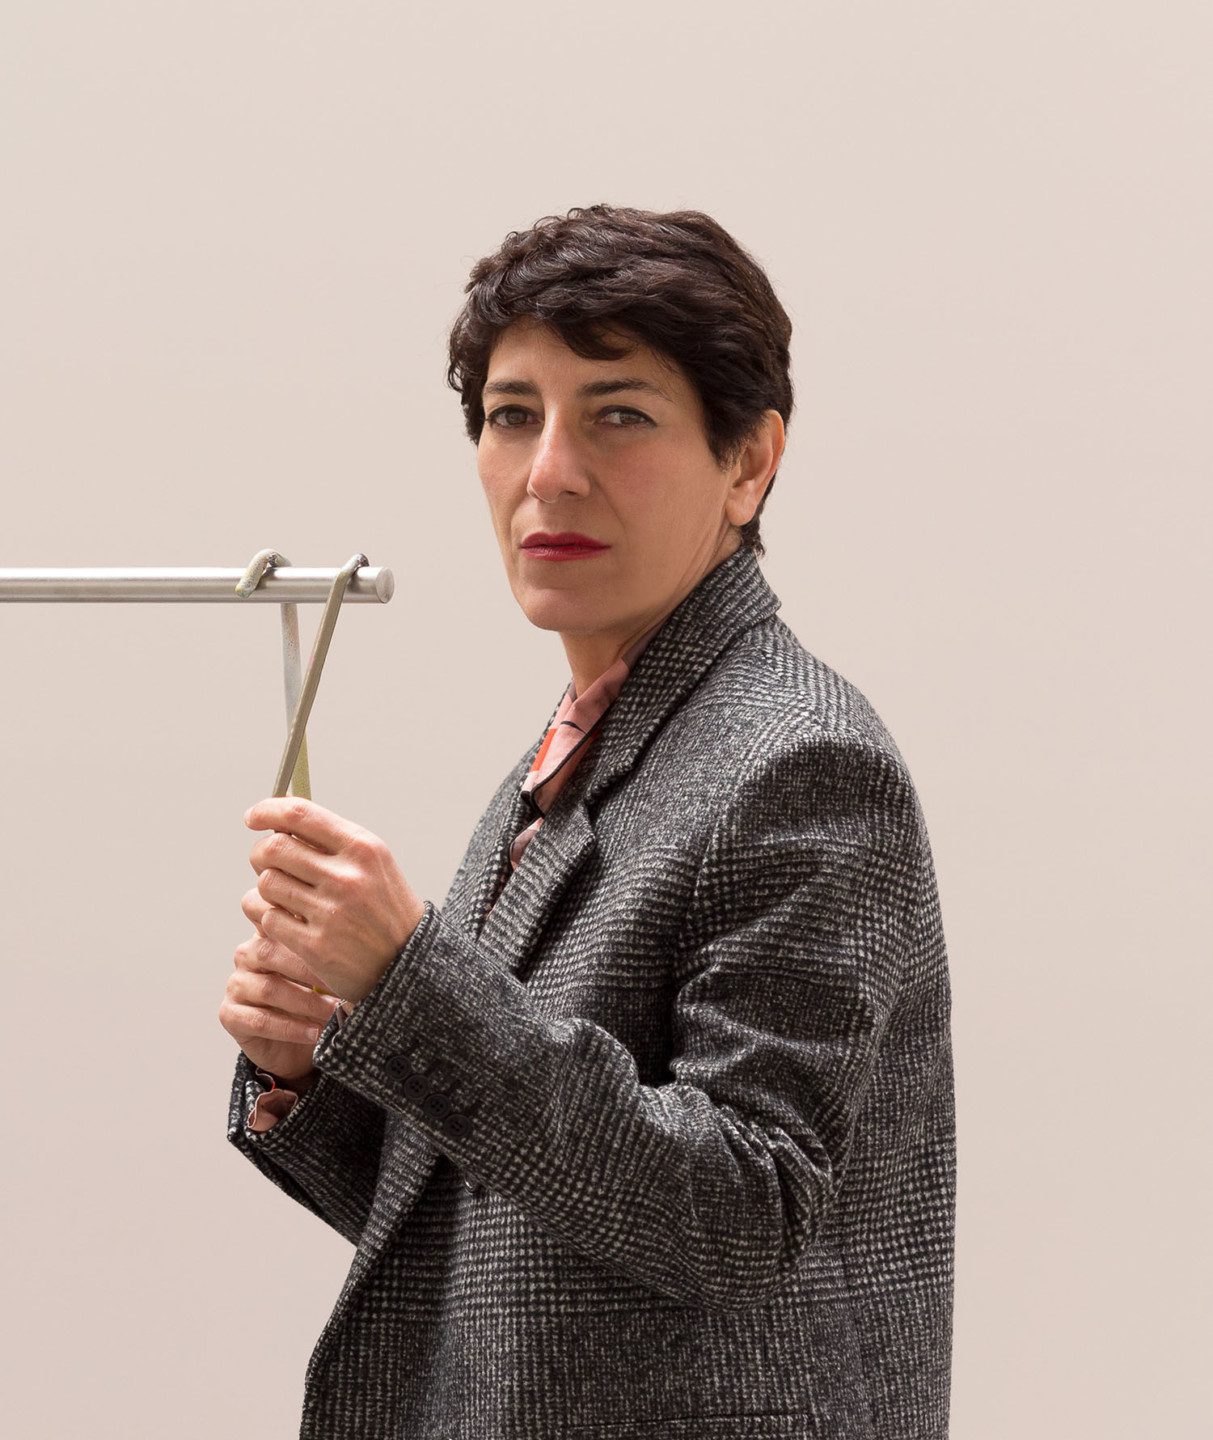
(492, 419)
(503, 410)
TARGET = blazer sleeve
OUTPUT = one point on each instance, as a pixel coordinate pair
(324, 1153)
(709, 1187)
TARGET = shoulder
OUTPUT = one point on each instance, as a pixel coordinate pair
(809, 771)
(774, 741)
(768, 692)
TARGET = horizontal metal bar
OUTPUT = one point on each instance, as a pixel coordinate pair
(289, 585)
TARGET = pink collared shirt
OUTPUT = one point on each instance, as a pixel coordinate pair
(573, 730)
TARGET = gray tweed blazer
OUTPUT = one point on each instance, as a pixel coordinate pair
(662, 1142)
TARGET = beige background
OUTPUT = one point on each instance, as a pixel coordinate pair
(235, 236)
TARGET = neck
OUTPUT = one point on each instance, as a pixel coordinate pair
(590, 655)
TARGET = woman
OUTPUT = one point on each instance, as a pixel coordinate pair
(649, 1129)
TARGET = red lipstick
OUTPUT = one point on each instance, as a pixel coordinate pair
(566, 545)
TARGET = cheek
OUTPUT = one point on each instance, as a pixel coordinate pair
(664, 491)
(503, 500)
(493, 484)
(642, 481)
(484, 468)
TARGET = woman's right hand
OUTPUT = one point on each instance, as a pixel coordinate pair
(269, 1008)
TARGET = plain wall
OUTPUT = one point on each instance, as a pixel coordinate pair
(234, 239)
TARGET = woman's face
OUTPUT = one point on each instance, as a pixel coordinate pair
(630, 468)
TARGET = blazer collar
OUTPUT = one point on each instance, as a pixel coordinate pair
(730, 598)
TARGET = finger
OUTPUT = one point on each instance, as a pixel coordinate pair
(284, 891)
(254, 905)
(290, 854)
(256, 1022)
(324, 829)
(276, 993)
(288, 929)
(267, 956)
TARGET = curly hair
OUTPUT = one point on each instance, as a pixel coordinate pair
(675, 281)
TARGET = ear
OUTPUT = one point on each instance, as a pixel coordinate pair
(755, 468)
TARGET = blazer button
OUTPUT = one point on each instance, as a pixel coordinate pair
(417, 1087)
(436, 1105)
(457, 1125)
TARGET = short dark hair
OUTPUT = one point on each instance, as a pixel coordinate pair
(677, 281)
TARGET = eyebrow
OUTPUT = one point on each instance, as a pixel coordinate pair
(594, 387)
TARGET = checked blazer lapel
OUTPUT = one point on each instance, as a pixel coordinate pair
(729, 599)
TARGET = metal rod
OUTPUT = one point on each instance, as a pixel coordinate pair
(295, 584)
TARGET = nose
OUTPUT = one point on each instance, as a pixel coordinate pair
(556, 465)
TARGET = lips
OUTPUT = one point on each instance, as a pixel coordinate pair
(540, 539)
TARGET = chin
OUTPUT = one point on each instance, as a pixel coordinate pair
(551, 608)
